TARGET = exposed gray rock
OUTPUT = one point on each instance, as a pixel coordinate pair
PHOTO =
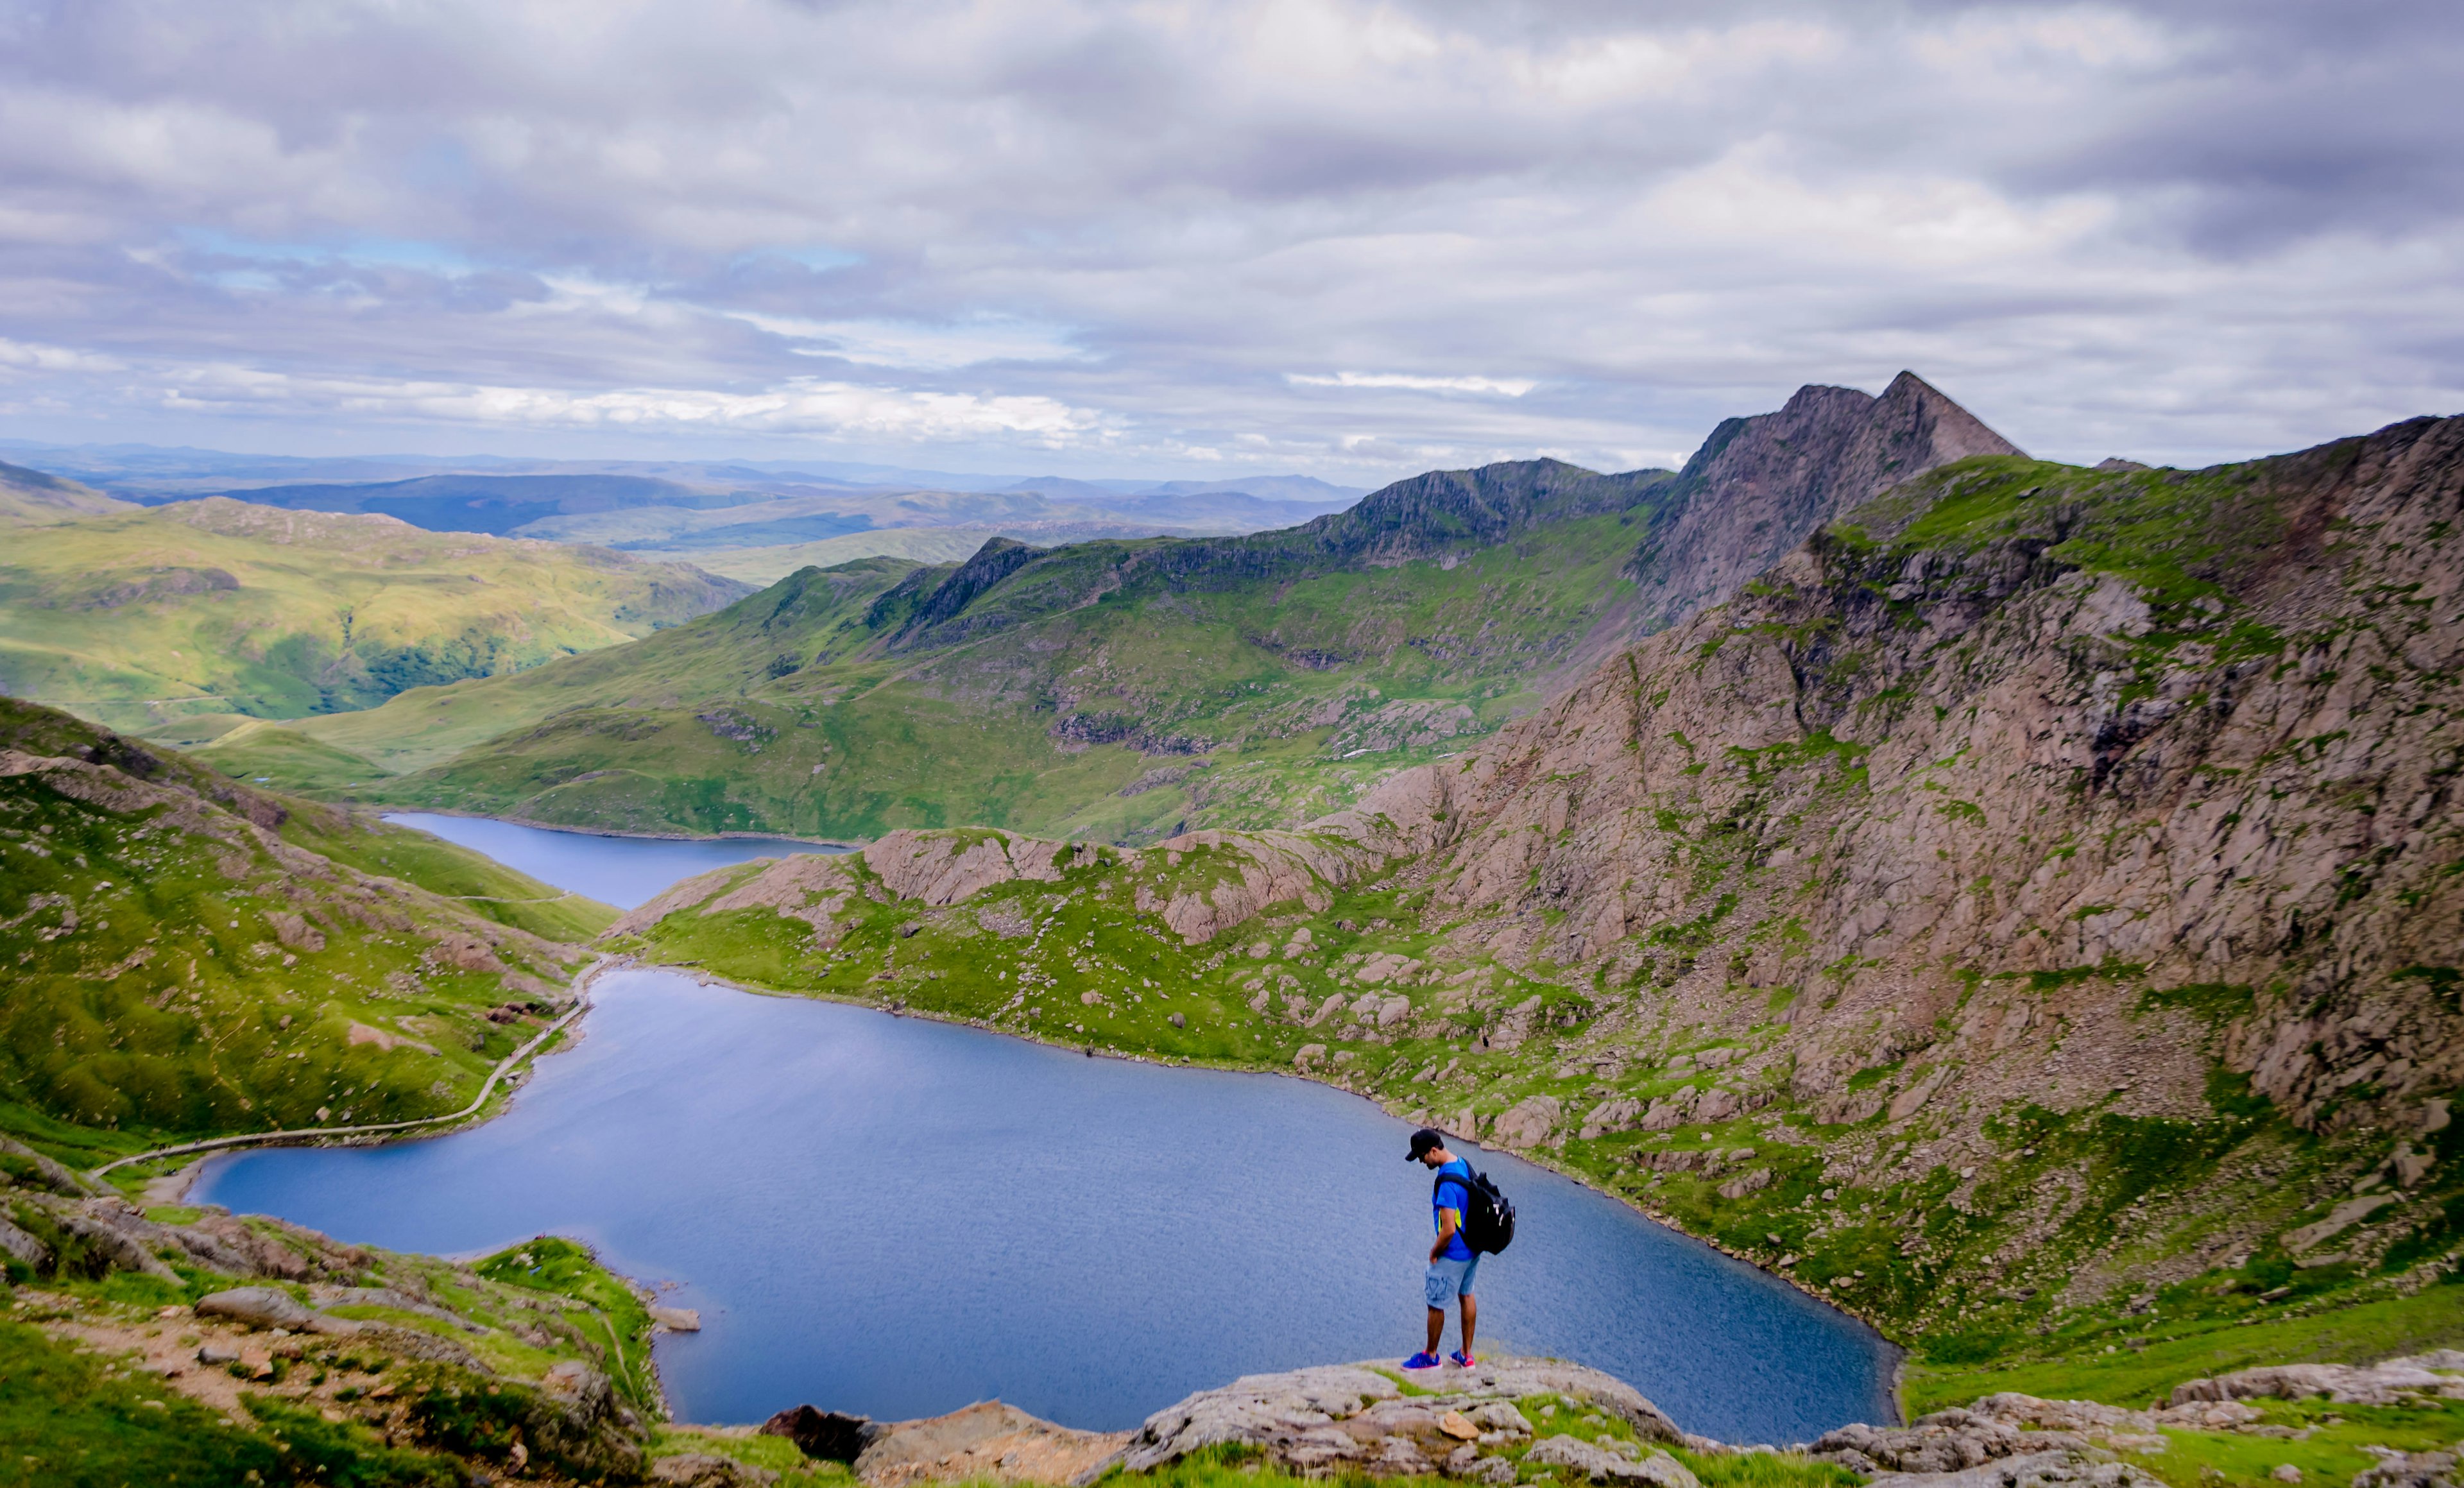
(1946, 1441)
(269, 1307)
(574, 1420)
(1603, 1466)
(1760, 485)
(2034, 1469)
(1527, 1123)
(987, 1439)
(259, 1252)
(420, 1345)
(1343, 1416)
(120, 1241)
(387, 1297)
(44, 1171)
(709, 1470)
(2346, 1384)
(1498, 1416)
(24, 1248)
(2410, 1470)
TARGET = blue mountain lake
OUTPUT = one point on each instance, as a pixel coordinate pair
(895, 1217)
(624, 871)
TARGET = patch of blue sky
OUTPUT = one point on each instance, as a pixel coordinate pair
(820, 260)
(361, 253)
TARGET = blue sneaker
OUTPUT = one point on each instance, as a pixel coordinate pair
(1421, 1361)
(1461, 1360)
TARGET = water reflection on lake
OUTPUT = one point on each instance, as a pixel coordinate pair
(898, 1217)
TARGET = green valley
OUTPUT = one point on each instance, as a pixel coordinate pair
(1127, 690)
(1089, 690)
(182, 621)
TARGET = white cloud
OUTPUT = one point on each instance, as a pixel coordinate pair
(920, 348)
(35, 357)
(1505, 386)
(834, 409)
(2167, 230)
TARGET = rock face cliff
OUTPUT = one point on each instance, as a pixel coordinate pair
(1760, 485)
(2020, 747)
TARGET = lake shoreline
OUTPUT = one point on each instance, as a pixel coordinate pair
(1896, 1354)
(833, 845)
(173, 1188)
(512, 1073)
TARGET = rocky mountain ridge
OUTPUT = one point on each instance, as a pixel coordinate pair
(1281, 671)
(1760, 485)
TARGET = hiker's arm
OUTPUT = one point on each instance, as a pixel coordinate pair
(1445, 1233)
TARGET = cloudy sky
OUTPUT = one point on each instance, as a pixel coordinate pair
(1352, 239)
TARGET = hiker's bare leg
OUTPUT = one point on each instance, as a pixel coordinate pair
(1436, 1329)
(1471, 1322)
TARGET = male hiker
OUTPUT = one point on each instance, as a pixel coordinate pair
(1451, 1260)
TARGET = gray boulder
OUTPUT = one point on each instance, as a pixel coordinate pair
(120, 1241)
(1946, 1441)
(388, 1297)
(1353, 1418)
(576, 1420)
(2346, 1384)
(42, 1172)
(2034, 1470)
(708, 1470)
(269, 1307)
(24, 1248)
(2409, 1470)
(1602, 1465)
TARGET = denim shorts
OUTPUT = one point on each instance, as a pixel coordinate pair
(1449, 1279)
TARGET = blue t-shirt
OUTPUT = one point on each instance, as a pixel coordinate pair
(1456, 1196)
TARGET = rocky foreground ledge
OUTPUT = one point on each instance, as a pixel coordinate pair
(1509, 1420)
(262, 1316)
(1347, 1419)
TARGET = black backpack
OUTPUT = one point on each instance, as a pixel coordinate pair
(1487, 1216)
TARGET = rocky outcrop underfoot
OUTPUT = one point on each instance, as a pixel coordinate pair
(1494, 1422)
(1356, 1417)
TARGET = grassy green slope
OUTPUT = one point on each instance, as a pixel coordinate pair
(85, 1401)
(217, 607)
(189, 957)
(1116, 690)
(31, 499)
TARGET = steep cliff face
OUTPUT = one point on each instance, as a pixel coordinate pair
(2022, 747)
(1760, 485)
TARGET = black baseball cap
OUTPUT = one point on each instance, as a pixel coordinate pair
(1426, 1140)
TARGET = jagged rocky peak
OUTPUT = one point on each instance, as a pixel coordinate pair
(1759, 486)
(1438, 509)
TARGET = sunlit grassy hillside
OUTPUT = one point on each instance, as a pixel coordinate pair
(173, 620)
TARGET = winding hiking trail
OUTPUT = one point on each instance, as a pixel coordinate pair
(487, 1089)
